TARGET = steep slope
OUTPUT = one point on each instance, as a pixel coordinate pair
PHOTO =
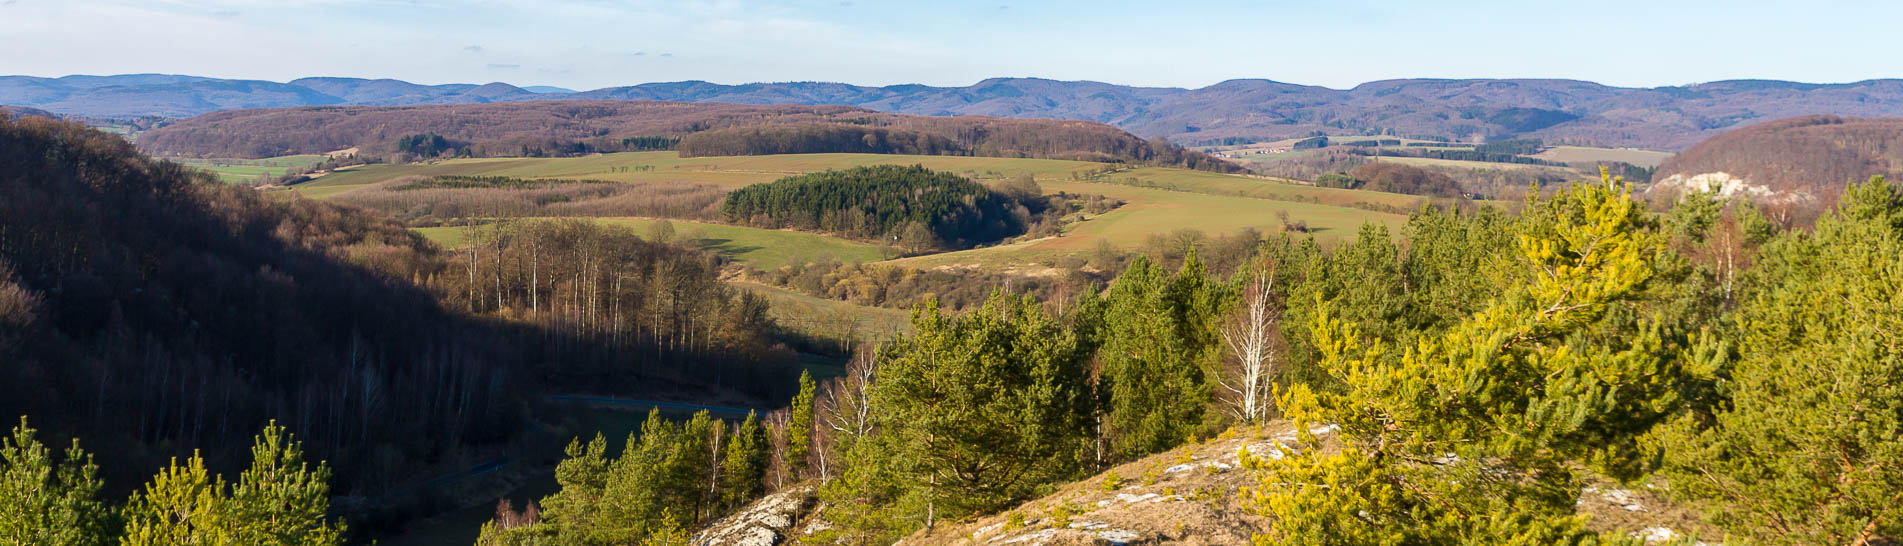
(1804, 160)
(167, 312)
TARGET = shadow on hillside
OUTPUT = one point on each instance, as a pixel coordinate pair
(725, 246)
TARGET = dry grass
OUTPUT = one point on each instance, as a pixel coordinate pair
(1189, 495)
(674, 200)
(1583, 154)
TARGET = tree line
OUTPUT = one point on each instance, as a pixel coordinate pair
(1394, 178)
(815, 139)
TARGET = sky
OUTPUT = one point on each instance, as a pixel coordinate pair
(587, 44)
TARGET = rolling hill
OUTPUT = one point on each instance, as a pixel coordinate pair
(1804, 160)
(570, 127)
(1561, 111)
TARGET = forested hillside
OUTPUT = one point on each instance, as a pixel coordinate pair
(1571, 111)
(155, 313)
(1479, 382)
(919, 208)
(548, 128)
(1805, 161)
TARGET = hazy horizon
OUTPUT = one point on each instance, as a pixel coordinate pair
(590, 44)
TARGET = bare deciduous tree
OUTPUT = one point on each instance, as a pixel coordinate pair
(1249, 336)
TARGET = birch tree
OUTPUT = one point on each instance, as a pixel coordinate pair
(1250, 336)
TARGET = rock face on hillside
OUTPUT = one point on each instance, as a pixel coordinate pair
(1191, 495)
(1185, 496)
(766, 522)
(1798, 161)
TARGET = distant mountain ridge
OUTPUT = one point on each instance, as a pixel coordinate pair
(1669, 118)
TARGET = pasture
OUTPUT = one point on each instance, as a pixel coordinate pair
(1583, 154)
(1155, 211)
(760, 248)
(246, 170)
(833, 318)
(728, 171)
(1157, 201)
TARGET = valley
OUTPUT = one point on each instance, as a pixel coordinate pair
(769, 273)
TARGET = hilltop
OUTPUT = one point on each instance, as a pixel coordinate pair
(1567, 111)
(1804, 160)
(546, 128)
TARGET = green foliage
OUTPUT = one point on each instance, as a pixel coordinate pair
(661, 484)
(425, 145)
(1473, 435)
(1807, 445)
(974, 413)
(743, 466)
(649, 143)
(799, 426)
(182, 505)
(47, 502)
(879, 202)
(1160, 348)
(280, 499)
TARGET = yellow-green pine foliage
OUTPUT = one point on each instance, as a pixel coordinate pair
(48, 503)
(1809, 447)
(1473, 435)
(281, 499)
(181, 505)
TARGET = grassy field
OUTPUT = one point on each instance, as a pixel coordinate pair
(734, 172)
(832, 317)
(1152, 211)
(1463, 164)
(1158, 200)
(1582, 154)
(245, 170)
(761, 248)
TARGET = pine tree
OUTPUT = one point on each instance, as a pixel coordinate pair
(1161, 345)
(1474, 435)
(1807, 445)
(181, 505)
(799, 430)
(743, 469)
(990, 404)
(281, 499)
(583, 476)
(48, 502)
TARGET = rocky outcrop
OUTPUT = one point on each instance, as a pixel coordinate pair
(766, 522)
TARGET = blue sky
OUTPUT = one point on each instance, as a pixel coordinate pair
(586, 44)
